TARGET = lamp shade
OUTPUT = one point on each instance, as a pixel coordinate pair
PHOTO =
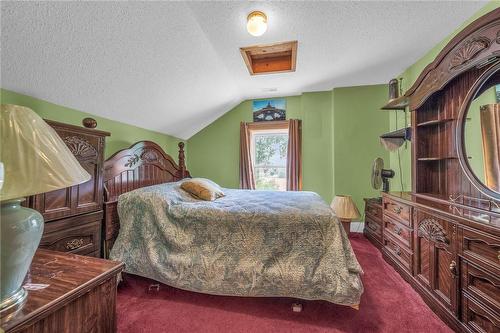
(344, 207)
(34, 157)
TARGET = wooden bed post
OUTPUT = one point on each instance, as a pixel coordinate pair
(182, 163)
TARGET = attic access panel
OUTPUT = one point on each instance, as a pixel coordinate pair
(270, 58)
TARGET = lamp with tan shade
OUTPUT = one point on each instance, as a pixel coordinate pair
(33, 159)
(345, 209)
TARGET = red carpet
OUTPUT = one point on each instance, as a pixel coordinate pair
(388, 304)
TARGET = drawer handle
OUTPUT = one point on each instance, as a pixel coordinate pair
(398, 230)
(397, 210)
(453, 269)
(74, 244)
(398, 250)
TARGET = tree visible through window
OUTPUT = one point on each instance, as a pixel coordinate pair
(269, 150)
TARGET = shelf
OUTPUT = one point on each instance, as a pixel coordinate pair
(434, 122)
(437, 122)
(403, 133)
(427, 159)
(399, 103)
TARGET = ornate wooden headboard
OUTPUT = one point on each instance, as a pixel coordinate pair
(143, 164)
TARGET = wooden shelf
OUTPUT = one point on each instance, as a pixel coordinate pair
(399, 103)
(437, 122)
(428, 159)
(434, 122)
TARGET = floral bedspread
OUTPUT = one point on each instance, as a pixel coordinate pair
(248, 243)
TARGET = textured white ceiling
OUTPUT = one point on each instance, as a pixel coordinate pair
(174, 67)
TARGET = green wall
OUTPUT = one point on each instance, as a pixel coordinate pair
(340, 130)
(358, 123)
(214, 151)
(122, 135)
(409, 76)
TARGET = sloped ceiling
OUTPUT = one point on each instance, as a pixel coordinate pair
(174, 67)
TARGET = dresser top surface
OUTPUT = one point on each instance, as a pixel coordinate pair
(474, 217)
(55, 279)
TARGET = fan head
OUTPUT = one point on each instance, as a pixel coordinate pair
(377, 167)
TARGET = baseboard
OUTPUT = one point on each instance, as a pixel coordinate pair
(357, 226)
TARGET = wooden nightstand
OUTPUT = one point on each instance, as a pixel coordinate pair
(77, 294)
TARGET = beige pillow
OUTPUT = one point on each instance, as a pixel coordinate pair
(203, 189)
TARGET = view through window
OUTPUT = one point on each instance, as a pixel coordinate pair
(269, 152)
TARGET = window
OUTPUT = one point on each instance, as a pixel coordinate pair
(269, 155)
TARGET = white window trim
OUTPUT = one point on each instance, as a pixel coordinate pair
(263, 131)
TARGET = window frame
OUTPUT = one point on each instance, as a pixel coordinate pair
(269, 127)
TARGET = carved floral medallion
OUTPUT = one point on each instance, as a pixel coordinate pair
(431, 230)
(80, 148)
(468, 51)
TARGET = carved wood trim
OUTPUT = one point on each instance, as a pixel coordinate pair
(431, 230)
(474, 45)
(80, 148)
(468, 51)
(142, 164)
(75, 243)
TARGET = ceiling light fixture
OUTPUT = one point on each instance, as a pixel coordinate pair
(256, 23)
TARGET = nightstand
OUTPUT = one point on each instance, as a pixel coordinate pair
(67, 293)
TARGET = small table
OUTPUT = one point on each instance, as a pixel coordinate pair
(67, 293)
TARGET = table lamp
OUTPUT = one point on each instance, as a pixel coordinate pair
(35, 160)
(345, 209)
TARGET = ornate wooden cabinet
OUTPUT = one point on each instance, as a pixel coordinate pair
(73, 216)
(436, 257)
(444, 236)
(450, 254)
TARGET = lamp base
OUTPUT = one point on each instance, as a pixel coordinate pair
(12, 304)
(21, 231)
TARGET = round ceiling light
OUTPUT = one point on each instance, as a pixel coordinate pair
(256, 23)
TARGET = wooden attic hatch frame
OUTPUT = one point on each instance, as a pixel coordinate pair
(270, 58)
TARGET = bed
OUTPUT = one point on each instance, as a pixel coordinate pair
(248, 243)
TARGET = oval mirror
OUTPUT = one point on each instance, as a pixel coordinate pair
(481, 134)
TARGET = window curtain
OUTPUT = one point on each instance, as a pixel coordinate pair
(247, 180)
(294, 156)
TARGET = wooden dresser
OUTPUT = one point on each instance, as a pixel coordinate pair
(77, 294)
(449, 254)
(373, 221)
(73, 216)
(444, 236)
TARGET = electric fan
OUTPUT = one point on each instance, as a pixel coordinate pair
(381, 176)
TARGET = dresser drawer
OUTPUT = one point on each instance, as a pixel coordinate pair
(398, 231)
(79, 235)
(481, 248)
(478, 317)
(481, 284)
(374, 211)
(373, 227)
(396, 251)
(398, 211)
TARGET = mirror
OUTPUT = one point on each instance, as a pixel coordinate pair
(481, 141)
